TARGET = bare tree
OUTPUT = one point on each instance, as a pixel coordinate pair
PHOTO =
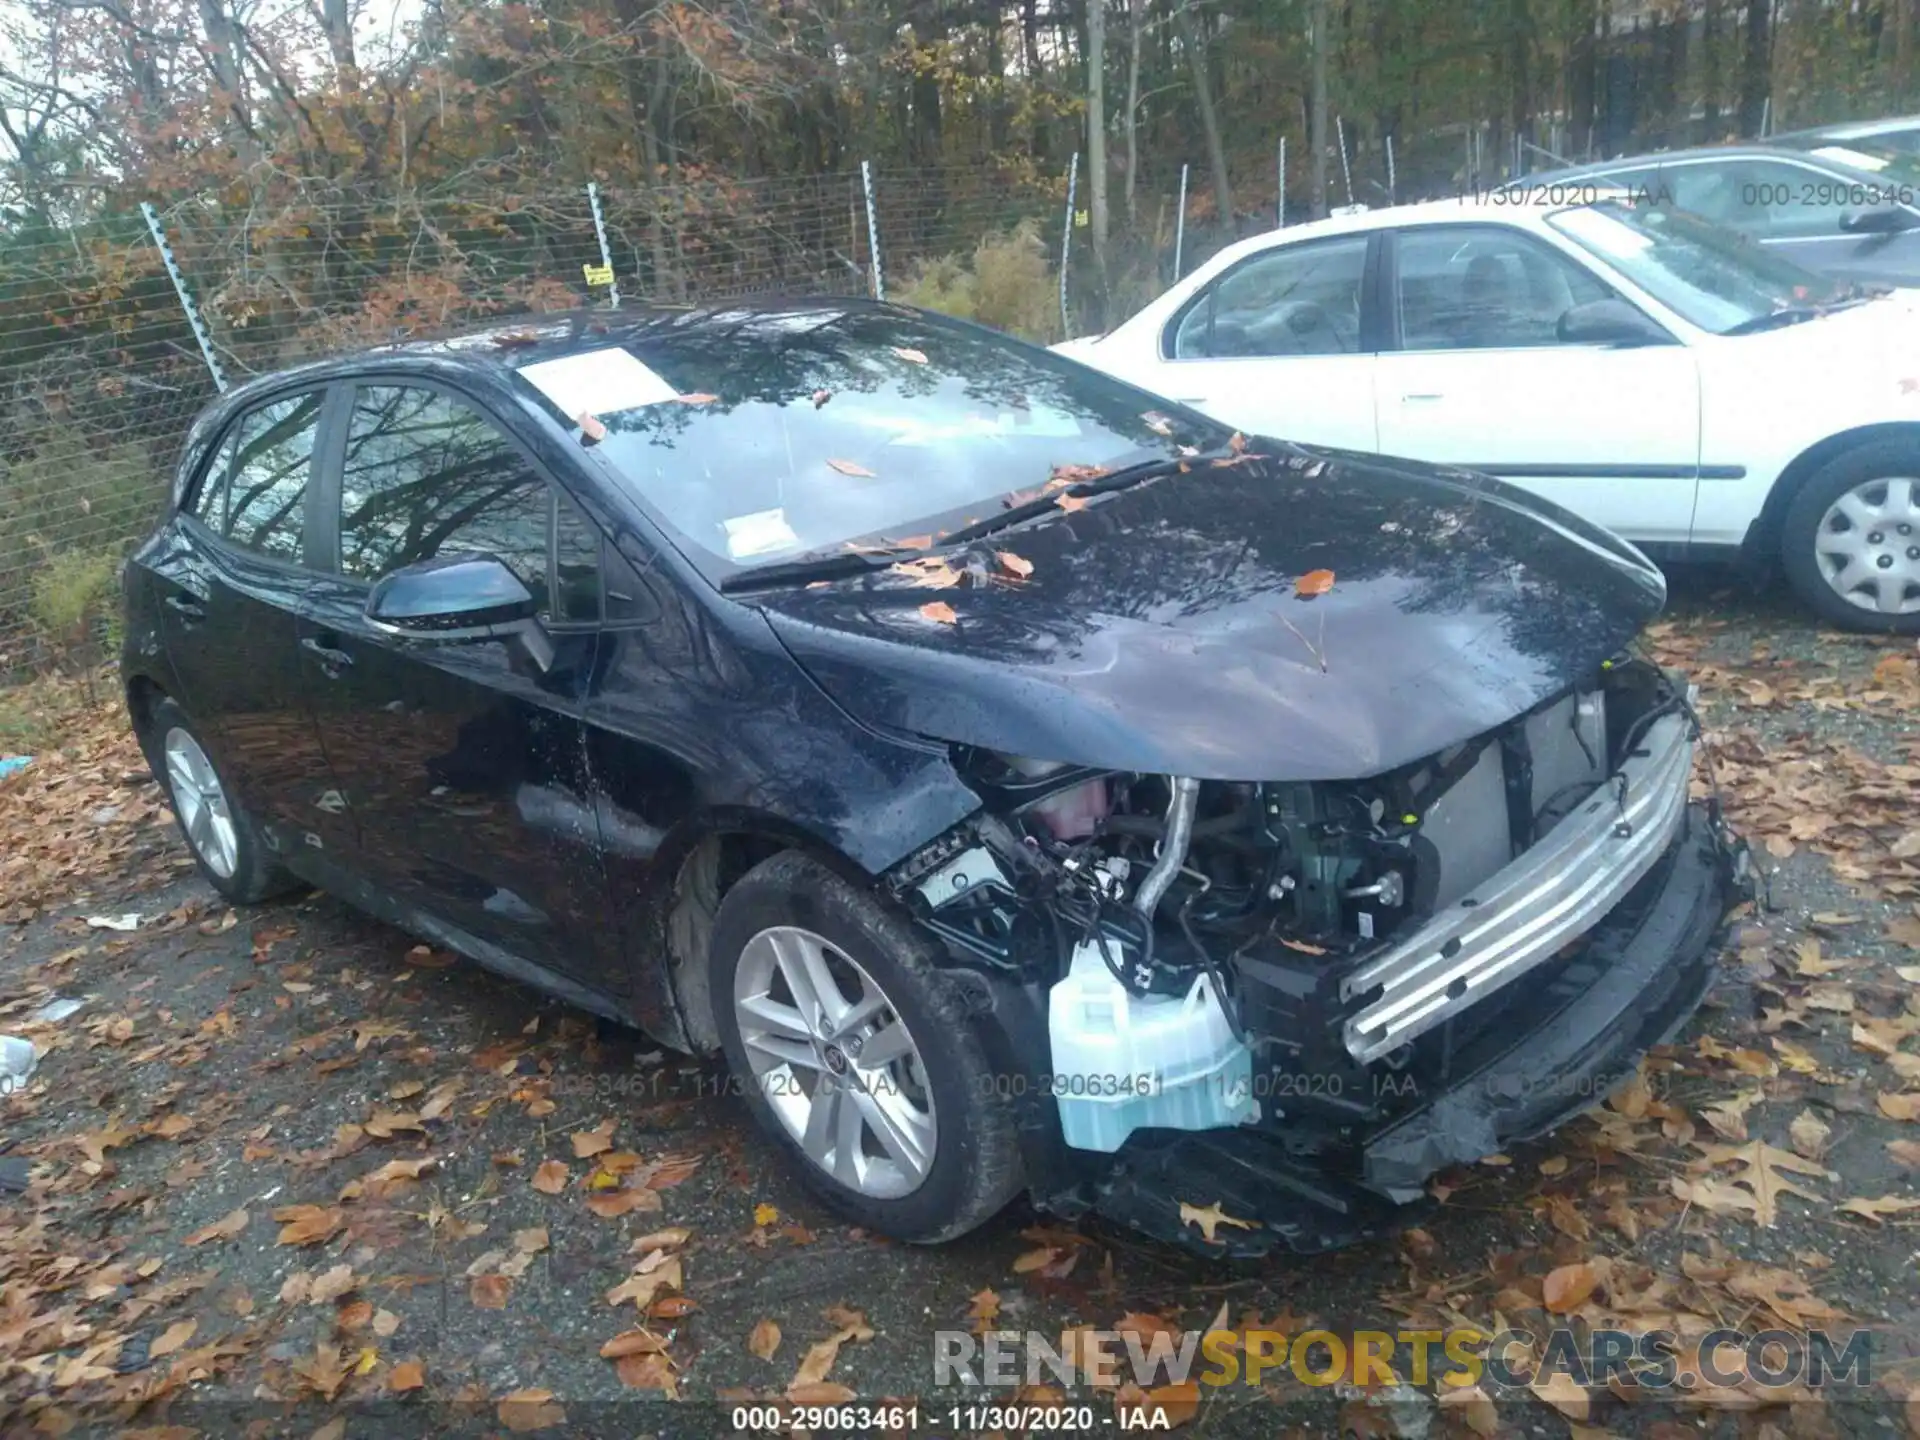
(1203, 101)
(1318, 43)
(1097, 126)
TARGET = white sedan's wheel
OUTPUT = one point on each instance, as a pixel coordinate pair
(1869, 545)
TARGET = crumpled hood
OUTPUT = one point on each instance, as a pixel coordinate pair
(1160, 630)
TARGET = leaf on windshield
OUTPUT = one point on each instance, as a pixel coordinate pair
(939, 612)
(1014, 564)
(1158, 423)
(929, 572)
(914, 542)
(912, 356)
(1065, 475)
(852, 467)
(1314, 582)
(1070, 503)
(590, 427)
(1238, 444)
(697, 397)
(820, 397)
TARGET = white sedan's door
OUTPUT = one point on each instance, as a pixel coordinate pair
(1275, 346)
(1482, 380)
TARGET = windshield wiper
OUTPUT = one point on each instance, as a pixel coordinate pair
(1121, 479)
(831, 565)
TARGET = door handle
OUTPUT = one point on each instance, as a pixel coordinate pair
(332, 660)
(1423, 395)
(191, 608)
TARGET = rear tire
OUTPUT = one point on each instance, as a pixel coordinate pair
(220, 834)
(885, 1054)
(1850, 541)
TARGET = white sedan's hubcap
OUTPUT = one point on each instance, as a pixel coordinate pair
(1868, 546)
(835, 1062)
(201, 802)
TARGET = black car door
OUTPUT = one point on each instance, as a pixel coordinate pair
(231, 582)
(462, 763)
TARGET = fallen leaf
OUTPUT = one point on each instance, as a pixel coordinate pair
(1878, 1210)
(224, 1228)
(1071, 503)
(524, 1410)
(1757, 1188)
(641, 1288)
(647, 1372)
(1809, 1135)
(820, 397)
(1167, 1407)
(1900, 1107)
(1567, 1288)
(984, 1310)
(407, 1375)
(307, 1224)
(490, 1292)
(632, 1342)
(1014, 564)
(821, 1392)
(1559, 1390)
(173, 1337)
(551, 1177)
(1210, 1219)
(530, 1242)
(853, 468)
(588, 1143)
(697, 397)
(1314, 582)
(1474, 1406)
(912, 356)
(938, 611)
(590, 427)
(611, 1204)
(765, 1214)
(764, 1340)
(667, 1239)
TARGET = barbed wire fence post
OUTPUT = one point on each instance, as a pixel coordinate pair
(873, 231)
(1066, 244)
(1280, 188)
(1180, 222)
(198, 326)
(606, 255)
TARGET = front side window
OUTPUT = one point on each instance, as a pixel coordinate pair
(428, 475)
(1481, 287)
(1300, 300)
(255, 494)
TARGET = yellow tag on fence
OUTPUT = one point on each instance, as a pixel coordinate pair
(598, 274)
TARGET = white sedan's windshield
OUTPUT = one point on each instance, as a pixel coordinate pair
(1709, 275)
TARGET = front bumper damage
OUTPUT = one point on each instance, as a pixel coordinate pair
(1576, 1030)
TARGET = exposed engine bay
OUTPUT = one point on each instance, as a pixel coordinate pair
(1279, 905)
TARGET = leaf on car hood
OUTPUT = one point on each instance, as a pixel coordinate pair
(1314, 582)
(851, 467)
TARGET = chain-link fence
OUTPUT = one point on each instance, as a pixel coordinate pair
(107, 352)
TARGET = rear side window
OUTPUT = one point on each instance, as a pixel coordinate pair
(428, 475)
(255, 492)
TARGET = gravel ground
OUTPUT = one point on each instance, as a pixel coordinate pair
(222, 1067)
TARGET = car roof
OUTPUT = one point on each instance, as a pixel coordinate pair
(504, 344)
(1854, 129)
(1751, 151)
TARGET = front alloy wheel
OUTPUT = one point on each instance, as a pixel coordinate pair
(859, 1052)
(835, 1061)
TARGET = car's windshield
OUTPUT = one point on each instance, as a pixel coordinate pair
(1707, 274)
(762, 435)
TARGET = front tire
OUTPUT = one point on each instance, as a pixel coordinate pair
(855, 1055)
(1851, 539)
(220, 834)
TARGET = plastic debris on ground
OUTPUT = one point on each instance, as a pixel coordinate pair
(18, 1060)
(128, 921)
(13, 764)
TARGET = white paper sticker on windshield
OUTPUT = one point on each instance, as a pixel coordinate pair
(760, 533)
(600, 382)
(1847, 155)
(1603, 233)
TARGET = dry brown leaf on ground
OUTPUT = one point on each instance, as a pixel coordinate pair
(667, 1239)
(524, 1410)
(632, 1342)
(490, 1292)
(173, 1337)
(551, 1177)
(647, 1372)
(641, 1288)
(764, 1339)
(308, 1224)
(407, 1375)
(588, 1143)
(1758, 1186)
(225, 1228)
(1878, 1210)
(1210, 1218)
(1900, 1107)
(1567, 1288)
(1809, 1135)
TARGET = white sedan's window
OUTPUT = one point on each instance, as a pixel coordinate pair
(1303, 300)
(1484, 287)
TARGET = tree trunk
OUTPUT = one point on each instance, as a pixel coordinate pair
(1902, 46)
(339, 23)
(1710, 82)
(1097, 126)
(1209, 120)
(1756, 69)
(1030, 44)
(1318, 138)
(1136, 10)
(1580, 80)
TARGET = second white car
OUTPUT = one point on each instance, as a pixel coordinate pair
(1643, 367)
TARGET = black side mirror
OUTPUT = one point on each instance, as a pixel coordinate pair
(1609, 322)
(458, 598)
(1887, 220)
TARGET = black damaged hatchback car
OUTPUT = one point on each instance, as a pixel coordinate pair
(1026, 783)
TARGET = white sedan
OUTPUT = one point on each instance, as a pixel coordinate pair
(1634, 363)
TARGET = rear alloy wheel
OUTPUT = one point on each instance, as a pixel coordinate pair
(223, 838)
(1852, 539)
(855, 1054)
